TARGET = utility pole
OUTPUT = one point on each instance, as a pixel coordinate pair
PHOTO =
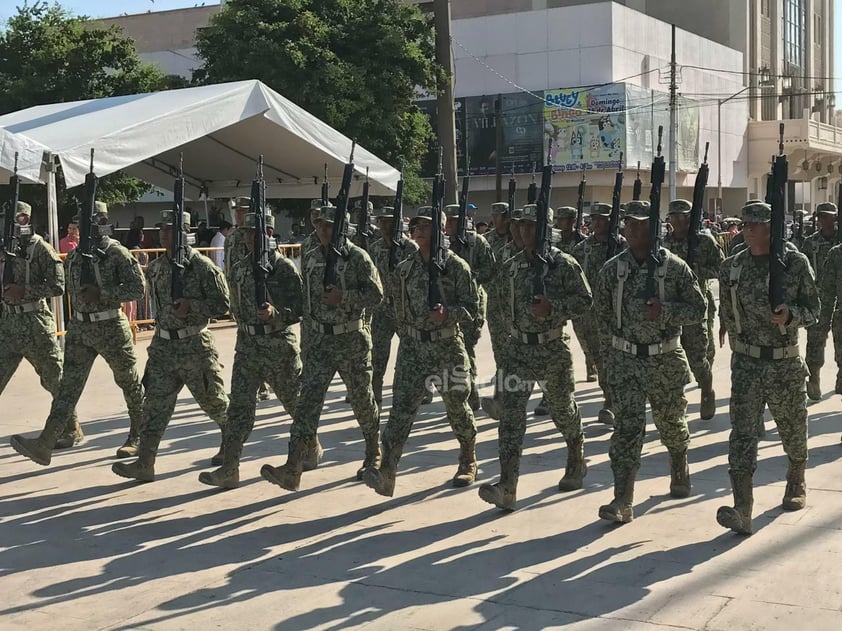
(498, 151)
(673, 118)
(444, 100)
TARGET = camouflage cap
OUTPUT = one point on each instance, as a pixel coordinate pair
(530, 213)
(679, 206)
(637, 209)
(100, 208)
(328, 214)
(500, 208)
(359, 204)
(425, 213)
(250, 222)
(451, 210)
(242, 203)
(565, 212)
(517, 214)
(827, 208)
(756, 211)
(600, 209)
(23, 208)
(315, 204)
(386, 212)
(167, 217)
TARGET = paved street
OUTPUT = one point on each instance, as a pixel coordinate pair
(83, 549)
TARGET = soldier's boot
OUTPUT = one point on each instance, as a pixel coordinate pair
(542, 409)
(590, 368)
(288, 476)
(473, 397)
(838, 388)
(382, 478)
(576, 468)
(314, 454)
(814, 385)
(707, 405)
(38, 450)
(142, 469)
(466, 474)
(679, 474)
(219, 457)
(263, 392)
(228, 475)
(377, 388)
(372, 454)
(621, 508)
(795, 496)
(428, 395)
(503, 494)
(72, 434)
(606, 415)
(130, 447)
(738, 518)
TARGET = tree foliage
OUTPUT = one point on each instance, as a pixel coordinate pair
(48, 55)
(355, 64)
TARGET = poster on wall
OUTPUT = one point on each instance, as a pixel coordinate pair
(586, 127)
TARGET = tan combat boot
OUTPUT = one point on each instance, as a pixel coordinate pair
(130, 447)
(576, 468)
(382, 478)
(679, 474)
(707, 404)
(795, 496)
(466, 474)
(738, 518)
(288, 476)
(314, 454)
(503, 494)
(372, 454)
(621, 509)
(38, 450)
(142, 469)
(228, 475)
(814, 386)
(72, 434)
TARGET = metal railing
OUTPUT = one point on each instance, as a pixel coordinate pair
(139, 312)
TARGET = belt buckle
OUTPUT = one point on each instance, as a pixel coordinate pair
(627, 347)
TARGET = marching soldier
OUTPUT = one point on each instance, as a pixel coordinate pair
(383, 323)
(98, 327)
(480, 258)
(538, 349)
(645, 360)
(816, 248)
(766, 366)
(831, 307)
(697, 340)
(27, 325)
(432, 348)
(592, 253)
(565, 223)
(182, 351)
(266, 348)
(339, 341)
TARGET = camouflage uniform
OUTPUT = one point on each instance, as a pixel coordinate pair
(816, 248)
(27, 326)
(480, 258)
(697, 340)
(340, 342)
(645, 361)
(538, 349)
(265, 351)
(591, 255)
(96, 328)
(383, 324)
(182, 351)
(831, 306)
(430, 352)
(766, 368)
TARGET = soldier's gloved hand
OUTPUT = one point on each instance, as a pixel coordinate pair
(781, 315)
(90, 293)
(652, 310)
(438, 314)
(14, 292)
(541, 307)
(181, 307)
(264, 314)
(332, 296)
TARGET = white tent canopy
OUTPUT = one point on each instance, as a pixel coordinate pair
(29, 156)
(220, 129)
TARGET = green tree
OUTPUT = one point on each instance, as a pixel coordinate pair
(355, 64)
(48, 55)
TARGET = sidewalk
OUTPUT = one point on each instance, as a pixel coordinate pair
(83, 549)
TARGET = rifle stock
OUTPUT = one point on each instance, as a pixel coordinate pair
(777, 262)
(694, 233)
(657, 180)
(337, 239)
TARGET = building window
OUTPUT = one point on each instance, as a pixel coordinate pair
(794, 30)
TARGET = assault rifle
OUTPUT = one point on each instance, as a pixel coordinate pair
(614, 219)
(262, 264)
(397, 227)
(9, 237)
(87, 248)
(459, 244)
(542, 257)
(694, 234)
(325, 189)
(512, 191)
(580, 208)
(776, 190)
(364, 221)
(657, 180)
(340, 225)
(437, 250)
(532, 191)
(638, 185)
(179, 256)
